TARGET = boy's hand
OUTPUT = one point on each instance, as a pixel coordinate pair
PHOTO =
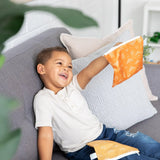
(92, 69)
(118, 43)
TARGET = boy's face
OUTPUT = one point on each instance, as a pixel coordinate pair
(56, 73)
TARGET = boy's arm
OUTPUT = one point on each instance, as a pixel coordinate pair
(91, 70)
(45, 143)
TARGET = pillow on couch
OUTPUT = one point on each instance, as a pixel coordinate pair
(120, 107)
(83, 46)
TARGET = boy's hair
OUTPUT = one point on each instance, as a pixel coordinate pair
(46, 54)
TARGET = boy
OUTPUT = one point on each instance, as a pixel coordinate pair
(62, 112)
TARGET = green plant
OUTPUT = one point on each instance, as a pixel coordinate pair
(8, 139)
(11, 18)
(147, 48)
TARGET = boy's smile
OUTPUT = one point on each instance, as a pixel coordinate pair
(63, 75)
(57, 71)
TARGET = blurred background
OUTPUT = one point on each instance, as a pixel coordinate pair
(109, 14)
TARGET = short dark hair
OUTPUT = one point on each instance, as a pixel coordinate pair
(46, 54)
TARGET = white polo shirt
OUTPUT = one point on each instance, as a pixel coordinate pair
(68, 114)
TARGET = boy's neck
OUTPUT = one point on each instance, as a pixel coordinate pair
(54, 89)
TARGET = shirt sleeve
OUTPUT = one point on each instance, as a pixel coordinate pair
(75, 83)
(43, 113)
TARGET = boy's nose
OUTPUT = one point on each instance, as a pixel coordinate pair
(65, 68)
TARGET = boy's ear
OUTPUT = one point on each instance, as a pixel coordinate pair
(40, 69)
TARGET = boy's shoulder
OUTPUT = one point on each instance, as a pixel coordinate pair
(42, 98)
(41, 94)
(74, 83)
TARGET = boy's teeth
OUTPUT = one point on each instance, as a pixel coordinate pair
(64, 75)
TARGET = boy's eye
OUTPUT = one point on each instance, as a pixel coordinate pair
(70, 67)
(60, 63)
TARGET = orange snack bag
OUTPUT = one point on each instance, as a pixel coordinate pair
(111, 150)
(126, 59)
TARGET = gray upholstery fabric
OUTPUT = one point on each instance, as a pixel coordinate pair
(18, 79)
(151, 126)
(58, 156)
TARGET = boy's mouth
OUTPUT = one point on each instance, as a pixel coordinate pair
(63, 75)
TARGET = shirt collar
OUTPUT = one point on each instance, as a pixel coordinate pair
(62, 93)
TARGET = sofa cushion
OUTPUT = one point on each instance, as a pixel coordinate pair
(83, 46)
(150, 126)
(18, 79)
(120, 107)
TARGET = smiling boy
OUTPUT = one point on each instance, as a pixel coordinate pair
(62, 113)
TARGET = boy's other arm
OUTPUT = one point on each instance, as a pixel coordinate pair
(45, 143)
(91, 70)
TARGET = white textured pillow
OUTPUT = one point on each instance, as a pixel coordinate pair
(122, 106)
(83, 46)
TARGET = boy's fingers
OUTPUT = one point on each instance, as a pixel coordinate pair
(118, 43)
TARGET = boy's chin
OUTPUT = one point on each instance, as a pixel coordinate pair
(62, 85)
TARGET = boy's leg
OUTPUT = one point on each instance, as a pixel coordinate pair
(146, 145)
(125, 137)
(82, 154)
(149, 148)
(137, 157)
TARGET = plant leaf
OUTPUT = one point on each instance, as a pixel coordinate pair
(71, 17)
(10, 26)
(9, 144)
(6, 105)
(2, 60)
(12, 17)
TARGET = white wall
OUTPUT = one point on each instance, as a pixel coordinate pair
(104, 11)
(134, 9)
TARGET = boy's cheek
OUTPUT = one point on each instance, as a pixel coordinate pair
(71, 77)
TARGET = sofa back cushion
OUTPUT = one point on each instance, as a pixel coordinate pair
(117, 107)
(18, 79)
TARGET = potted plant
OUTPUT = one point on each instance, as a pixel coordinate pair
(147, 48)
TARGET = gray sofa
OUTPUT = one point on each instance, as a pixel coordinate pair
(19, 79)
